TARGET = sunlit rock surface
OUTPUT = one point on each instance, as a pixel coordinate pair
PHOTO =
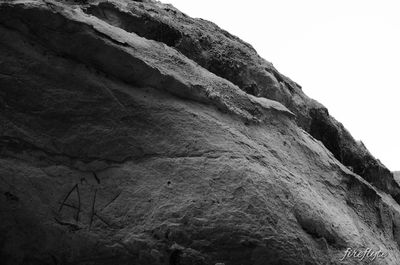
(397, 176)
(131, 133)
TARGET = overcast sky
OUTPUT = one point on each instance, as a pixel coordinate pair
(344, 53)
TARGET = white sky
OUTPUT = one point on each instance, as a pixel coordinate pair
(344, 53)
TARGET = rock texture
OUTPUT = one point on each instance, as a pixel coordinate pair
(133, 134)
(396, 175)
(236, 61)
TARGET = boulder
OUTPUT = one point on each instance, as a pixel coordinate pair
(133, 134)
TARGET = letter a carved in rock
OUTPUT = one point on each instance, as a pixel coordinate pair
(65, 203)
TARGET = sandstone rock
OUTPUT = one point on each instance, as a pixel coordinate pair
(229, 57)
(132, 134)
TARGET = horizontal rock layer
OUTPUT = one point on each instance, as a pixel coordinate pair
(133, 134)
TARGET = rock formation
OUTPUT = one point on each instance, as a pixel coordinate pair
(134, 134)
(396, 175)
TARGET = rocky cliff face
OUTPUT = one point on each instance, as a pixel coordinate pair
(133, 134)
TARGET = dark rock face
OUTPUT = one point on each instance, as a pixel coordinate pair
(132, 134)
(229, 57)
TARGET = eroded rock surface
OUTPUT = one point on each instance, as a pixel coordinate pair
(231, 58)
(133, 134)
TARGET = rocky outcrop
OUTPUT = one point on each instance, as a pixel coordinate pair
(231, 58)
(133, 134)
